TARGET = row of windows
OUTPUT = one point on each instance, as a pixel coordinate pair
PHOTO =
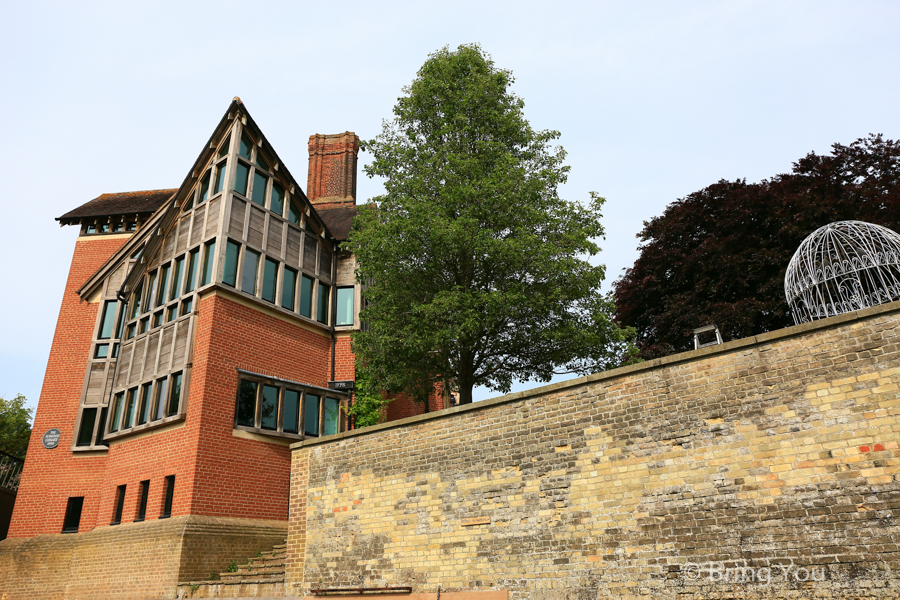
(151, 402)
(75, 505)
(265, 280)
(275, 407)
(110, 227)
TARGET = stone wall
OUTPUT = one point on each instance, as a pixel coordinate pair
(134, 561)
(762, 468)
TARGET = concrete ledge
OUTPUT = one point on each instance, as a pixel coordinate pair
(674, 359)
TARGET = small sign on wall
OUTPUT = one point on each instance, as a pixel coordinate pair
(51, 438)
(341, 385)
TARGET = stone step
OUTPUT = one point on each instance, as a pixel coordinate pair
(243, 573)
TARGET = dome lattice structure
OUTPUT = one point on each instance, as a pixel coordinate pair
(842, 267)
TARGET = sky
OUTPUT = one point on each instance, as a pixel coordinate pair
(654, 100)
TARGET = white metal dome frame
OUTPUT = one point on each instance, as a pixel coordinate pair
(842, 267)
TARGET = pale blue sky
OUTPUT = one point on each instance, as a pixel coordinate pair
(654, 101)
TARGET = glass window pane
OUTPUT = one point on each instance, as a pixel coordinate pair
(192, 271)
(293, 213)
(171, 312)
(229, 272)
(223, 150)
(120, 323)
(246, 405)
(270, 280)
(322, 300)
(144, 323)
(176, 278)
(115, 352)
(146, 401)
(136, 301)
(189, 201)
(269, 411)
(331, 419)
(151, 291)
(116, 411)
(277, 202)
(259, 188)
(129, 408)
(291, 411)
(159, 398)
(209, 253)
(245, 147)
(129, 333)
(241, 177)
(174, 395)
(306, 286)
(311, 416)
(204, 189)
(288, 288)
(187, 306)
(220, 176)
(157, 319)
(108, 320)
(100, 426)
(86, 431)
(251, 266)
(102, 351)
(262, 161)
(344, 306)
(163, 285)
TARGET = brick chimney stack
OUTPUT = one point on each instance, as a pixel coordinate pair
(332, 169)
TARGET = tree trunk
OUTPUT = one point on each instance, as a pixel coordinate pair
(464, 380)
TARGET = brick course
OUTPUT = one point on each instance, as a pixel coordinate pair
(776, 455)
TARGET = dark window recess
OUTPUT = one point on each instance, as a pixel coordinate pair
(174, 395)
(120, 504)
(100, 430)
(73, 515)
(270, 280)
(269, 410)
(86, 431)
(229, 272)
(246, 409)
(291, 411)
(142, 503)
(311, 415)
(170, 494)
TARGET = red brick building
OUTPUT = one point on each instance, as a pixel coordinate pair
(198, 334)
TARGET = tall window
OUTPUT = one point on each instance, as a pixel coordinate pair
(120, 504)
(86, 431)
(322, 315)
(73, 515)
(344, 306)
(306, 288)
(107, 321)
(174, 395)
(251, 266)
(209, 253)
(288, 288)
(270, 280)
(142, 502)
(192, 271)
(282, 408)
(229, 271)
(170, 496)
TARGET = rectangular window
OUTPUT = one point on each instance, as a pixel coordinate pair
(223, 151)
(129, 408)
(288, 288)
(270, 280)
(171, 312)
(189, 201)
(331, 416)
(220, 177)
(130, 331)
(176, 278)
(73, 515)
(187, 306)
(146, 402)
(174, 395)
(116, 411)
(293, 213)
(159, 399)
(259, 188)
(115, 352)
(170, 495)
(142, 503)
(269, 412)
(108, 320)
(311, 415)
(241, 176)
(322, 314)
(246, 408)
(100, 433)
(163, 284)
(119, 227)
(91, 229)
(261, 161)
(136, 301)
(192, 270)
(209, 254)
(345, 306)
(251, 266)
(204, 189)
(86, 431)
(229, 271)
(145, 322)
(101, 351)
(120, 504)
(306, 287)
(291, 411)
(245, 147)
(151, 291)
(277, 202)
(157, 319)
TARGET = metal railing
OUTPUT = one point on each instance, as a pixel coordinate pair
(10, 471)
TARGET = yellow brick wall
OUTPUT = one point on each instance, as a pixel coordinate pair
(764, 468)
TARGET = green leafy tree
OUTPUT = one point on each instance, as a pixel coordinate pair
(475, 269)
(15, 425)
(719, 255)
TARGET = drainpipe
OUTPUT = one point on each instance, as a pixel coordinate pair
(333, 305)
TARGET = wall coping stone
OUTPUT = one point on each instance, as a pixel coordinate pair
(673, 359)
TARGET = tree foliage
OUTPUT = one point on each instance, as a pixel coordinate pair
(719, 255)
(15, 425)
(474, 267)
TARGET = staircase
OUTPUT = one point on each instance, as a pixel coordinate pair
(261, 577)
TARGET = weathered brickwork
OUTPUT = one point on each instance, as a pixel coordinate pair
(134, 561)
(763, 468)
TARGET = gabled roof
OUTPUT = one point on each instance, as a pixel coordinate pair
(124, 203)
(338, 220)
